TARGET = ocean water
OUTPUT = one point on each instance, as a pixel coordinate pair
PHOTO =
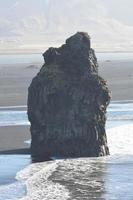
(38, 58)
(104, 178)
(11, 118)
(21, 58)
(10, 188)
(117, 112)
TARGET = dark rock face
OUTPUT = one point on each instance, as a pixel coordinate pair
(67, 103)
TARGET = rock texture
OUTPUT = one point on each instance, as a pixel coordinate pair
(67, 103)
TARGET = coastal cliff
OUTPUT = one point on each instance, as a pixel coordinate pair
(67, 103)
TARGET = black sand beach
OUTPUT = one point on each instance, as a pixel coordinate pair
(15, 79)
(119, 75)
(12, 140)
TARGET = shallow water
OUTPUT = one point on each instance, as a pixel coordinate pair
(12, 118)
(105, 178)
(116, 112)
(10, 188)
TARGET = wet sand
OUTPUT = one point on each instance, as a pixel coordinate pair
(119, 76)
(14, 82)
(12, 140)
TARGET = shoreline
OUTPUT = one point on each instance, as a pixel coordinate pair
(16, 78)
(13, 137)
(23, 151)
(14, 82)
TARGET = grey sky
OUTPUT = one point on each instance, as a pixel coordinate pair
(121, 10)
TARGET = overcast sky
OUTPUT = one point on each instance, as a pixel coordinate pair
(38, 24)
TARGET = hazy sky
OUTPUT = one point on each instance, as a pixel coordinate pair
(38, 24)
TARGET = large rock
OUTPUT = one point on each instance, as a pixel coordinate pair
(67, 103)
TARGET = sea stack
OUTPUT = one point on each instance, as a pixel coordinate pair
(67, 103)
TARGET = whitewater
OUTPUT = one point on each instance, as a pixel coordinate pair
(104, 178)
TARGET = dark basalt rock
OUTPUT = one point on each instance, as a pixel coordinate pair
(67, 103)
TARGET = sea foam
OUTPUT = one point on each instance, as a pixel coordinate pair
(79, 172)
(120, 139)
(39, 186)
